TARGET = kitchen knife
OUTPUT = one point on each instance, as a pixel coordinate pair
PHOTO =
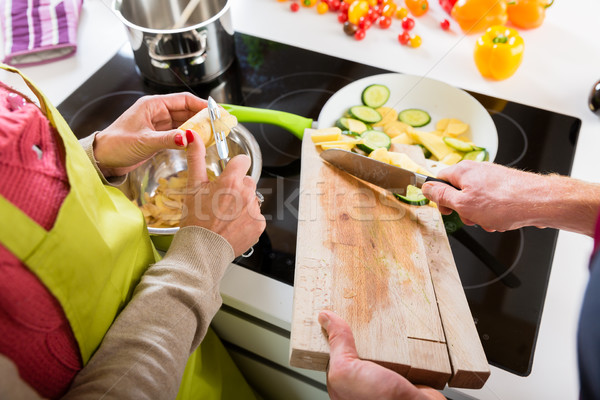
(384, 175)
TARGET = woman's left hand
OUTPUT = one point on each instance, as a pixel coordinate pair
(141, 131)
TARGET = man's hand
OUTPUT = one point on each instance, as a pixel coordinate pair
(349, 377)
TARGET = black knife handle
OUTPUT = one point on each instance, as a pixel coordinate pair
(432, 179)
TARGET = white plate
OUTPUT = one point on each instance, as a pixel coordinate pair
(439, 99)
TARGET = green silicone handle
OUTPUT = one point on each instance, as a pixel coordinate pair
(292, 122)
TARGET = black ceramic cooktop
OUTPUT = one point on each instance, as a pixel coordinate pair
(504, 275)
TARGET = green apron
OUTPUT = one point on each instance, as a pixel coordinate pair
(92, 259)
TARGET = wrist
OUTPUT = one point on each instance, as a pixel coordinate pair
(565, 203)
(98, 150)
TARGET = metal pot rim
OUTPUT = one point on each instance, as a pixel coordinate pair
(131, 25)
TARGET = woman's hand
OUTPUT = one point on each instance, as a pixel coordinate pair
(349, 377)
(146, 127)
(227, 206)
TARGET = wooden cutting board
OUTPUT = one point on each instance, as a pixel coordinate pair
(387, 269)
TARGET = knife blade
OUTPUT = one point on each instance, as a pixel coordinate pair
(384, 175)
(220, 140)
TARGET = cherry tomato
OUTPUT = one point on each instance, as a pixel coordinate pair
(408, 23)
(384, 22)
(360, 34)
(404, 38)
(372, 2)
(342, 17)
(389, 9)
(309, 3)
(445, 24)
(334, 5)
(344, 6)
(415, 41)
(401, 13)
(294, 7)
(356, 10)
(417, 7)
(349, 28)
(322, 7)
(373, 15)
(364, 23)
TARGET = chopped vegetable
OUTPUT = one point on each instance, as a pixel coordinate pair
(477, 155)
(477, 15)
(326, 135)
(388, 115)
(372, 140)
(351, 124)
(414, 117)
(365, 114)
(375, 95)
(458, 144)
(499, 52)
(396, 128)
(414, 196)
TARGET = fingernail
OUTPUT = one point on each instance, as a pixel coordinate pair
(324, 320)
(179, 140)
(189, 135)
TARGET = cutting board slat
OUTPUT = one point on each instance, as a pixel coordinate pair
(378, 263)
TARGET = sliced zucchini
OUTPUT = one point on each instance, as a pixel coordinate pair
(375, 95)
(414, 196)
(372, 140)
(351, 124)
(414, 117)
(350, 133)
(426, 151)
(458, 144)
(365, 114)
(477, 155)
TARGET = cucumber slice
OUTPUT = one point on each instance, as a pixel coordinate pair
(351, 124)
(374, 140)
(350, 133)
(458, 144)
(414, 117)
(365, 114)
(426, 152)
(477, 155)
(375, 95)
(414, 196)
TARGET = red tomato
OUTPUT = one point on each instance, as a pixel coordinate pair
(408, 23)
(360, 34)
(384, 22)
(404, 38)
(445, 24)
(334, 5)
(364, 23)
(294, 7)
(342, 17)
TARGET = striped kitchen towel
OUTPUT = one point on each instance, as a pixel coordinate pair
(39, 31)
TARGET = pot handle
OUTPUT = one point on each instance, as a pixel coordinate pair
(199, 55)
(292, 122)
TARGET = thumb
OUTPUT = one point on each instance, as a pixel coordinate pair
(440, 193)
(341, 341)
(237, 167)
(196, 159)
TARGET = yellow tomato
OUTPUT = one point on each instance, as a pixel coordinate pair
(322, 7)
(357, 10)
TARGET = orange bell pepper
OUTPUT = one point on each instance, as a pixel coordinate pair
(478, 15)
(527, 14)
(499, 52)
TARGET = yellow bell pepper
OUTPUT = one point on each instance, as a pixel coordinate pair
(477, 15)
(499, 52)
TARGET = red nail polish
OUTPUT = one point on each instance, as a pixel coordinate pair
(179, 140)
(189, 135)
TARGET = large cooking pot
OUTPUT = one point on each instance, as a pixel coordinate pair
(196, 53)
